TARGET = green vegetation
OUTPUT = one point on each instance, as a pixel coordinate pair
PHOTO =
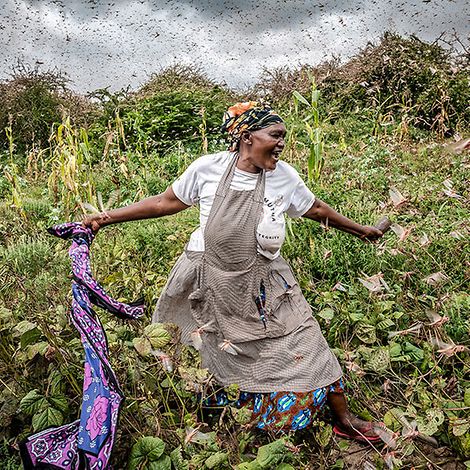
(396, 313)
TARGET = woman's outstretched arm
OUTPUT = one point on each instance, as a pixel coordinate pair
(160, 205)
(322, 212)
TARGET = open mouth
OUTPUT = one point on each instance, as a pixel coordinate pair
(277, 155)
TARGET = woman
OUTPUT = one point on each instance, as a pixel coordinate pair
(232, 294)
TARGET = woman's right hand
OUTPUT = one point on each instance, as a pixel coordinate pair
(94, 221)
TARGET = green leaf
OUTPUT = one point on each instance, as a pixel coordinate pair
(285, 466)
(379, 361)
(163, 463)
(56, 382)
(37, 348)
(59, 402)
(157, 335)
(408, 449)
(426, 427)
(416, 353)
(459, 426)
(327, 314)
(47, 418)
(6, 315)
(436, 415)
(464, 442)
(323, 435)
(22, 327)
(32, 402)
(390, 419)
(216, 459)
(394, 350)
(142, 346)
(356, 316)
(30, 337)
(429, 425)
(300, 98)
(466, 397)
(338, 465)
(254, 465)
(177, 459)
(270, 454)
(233, 390)
(146, 449)
(242, 415)
(384, 324)
(343, 444)
(366, 333)
(27, 331)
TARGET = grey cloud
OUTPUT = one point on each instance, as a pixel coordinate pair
(123, 42)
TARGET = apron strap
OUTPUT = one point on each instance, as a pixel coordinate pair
(227, 177)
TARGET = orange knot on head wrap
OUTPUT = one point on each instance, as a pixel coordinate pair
(247, 116)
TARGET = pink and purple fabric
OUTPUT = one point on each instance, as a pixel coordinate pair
(87, 442)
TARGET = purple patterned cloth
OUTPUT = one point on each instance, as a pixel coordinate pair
(87, 442)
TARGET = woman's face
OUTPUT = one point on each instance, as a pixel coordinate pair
(264, 147)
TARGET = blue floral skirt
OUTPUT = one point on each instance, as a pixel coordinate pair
(278, 411)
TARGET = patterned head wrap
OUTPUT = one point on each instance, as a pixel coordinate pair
(247, 116)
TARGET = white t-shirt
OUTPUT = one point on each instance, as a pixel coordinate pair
(285, 192)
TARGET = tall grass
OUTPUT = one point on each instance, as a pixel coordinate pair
(315, 160)
(71, 180)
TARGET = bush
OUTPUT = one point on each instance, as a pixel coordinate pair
(177, 77)
(400, 78)
(32, 101)
(178, 104)
(172, 116)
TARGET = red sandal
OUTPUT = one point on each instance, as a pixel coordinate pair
(360, 437)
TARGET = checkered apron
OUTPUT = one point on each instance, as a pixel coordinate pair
(256, 327)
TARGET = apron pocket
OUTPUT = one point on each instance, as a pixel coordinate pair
(199, 302)
(287, 298)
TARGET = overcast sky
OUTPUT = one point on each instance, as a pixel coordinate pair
(116, 43)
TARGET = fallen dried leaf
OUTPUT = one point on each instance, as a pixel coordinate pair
(164, 358)
(387, 385)
(196, 436)
(452, 193)
(229, 347)
(353, 367)
(386, 435)
(196, 339)
(415, 329)
(457, 235)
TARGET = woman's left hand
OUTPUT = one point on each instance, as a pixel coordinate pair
(370, 234)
